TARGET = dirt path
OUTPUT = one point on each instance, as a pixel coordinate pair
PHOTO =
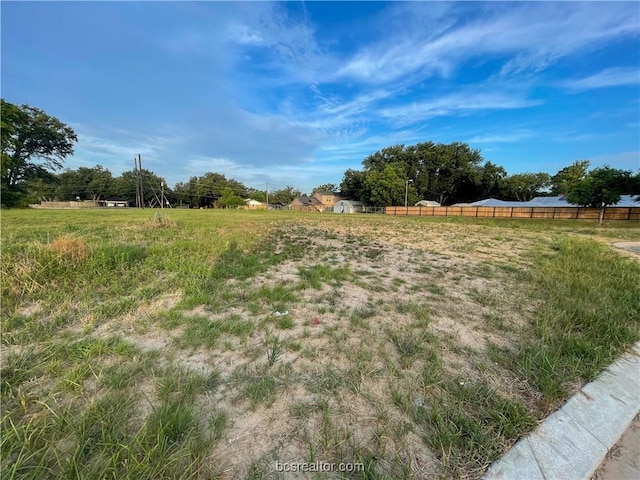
(623, 460)
(629, 247)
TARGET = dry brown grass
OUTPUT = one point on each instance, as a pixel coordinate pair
(160, 221)
(19, 277)
(70, 249)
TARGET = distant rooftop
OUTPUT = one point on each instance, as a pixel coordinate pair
(557, 201)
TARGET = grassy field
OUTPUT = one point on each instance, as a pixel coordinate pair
(226, 344)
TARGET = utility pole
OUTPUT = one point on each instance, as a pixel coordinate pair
(162, 195)
(141, 183)
(267, 190)
(139, 186)
(406, 191)
(135, 162)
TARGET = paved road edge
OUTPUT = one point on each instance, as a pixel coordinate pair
(572, 442)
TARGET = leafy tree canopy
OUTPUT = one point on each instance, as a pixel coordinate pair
(525, 186)
(325, 187)
(602, 187)
(230, 199)
(86, 183)
(568, 177)
(441, 172)
(258, 195)
(206, 190)
(353, 186)
(32, 143)
(386, 186)
(285, 195)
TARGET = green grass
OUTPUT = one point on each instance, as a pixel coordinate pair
(275, 348)
(101, 437)
(408, 346)
(318, 275)
(589, 315)
(469, 424)
(140, 357)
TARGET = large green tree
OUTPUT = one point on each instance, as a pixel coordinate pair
(284, 195)
(124, 186)
(568, 177)
(230, 199)
(602, 187)
(447, 172)
(525, 186)
(33, 144)
(206, 190)
(86, 183)
(387, 186)
(353, 186)
(443, 172)
(258, 195)
(490, 181)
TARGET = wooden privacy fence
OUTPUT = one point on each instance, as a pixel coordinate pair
(568, 213)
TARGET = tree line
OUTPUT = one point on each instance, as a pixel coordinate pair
(456, 173)
(35, 144)
(97, 183)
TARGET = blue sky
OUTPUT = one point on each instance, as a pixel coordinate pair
(296, 93)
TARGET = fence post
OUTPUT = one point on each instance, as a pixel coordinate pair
(554, 213)
(494, 212)
(446, 211)
(531, 212)
(577, 213)
(511, 216)
(629, 214)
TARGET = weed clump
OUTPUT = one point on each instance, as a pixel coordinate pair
(70, 249)
(160, 221)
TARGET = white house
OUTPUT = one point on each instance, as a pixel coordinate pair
(254, 204)
(348, 206)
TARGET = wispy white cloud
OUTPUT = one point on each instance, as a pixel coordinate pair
(531, 36)
(611, 77)
(266, 91)
(455, 104)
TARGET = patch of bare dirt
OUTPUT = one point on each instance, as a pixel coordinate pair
(623, 460)
(28, 310)
(422, 278)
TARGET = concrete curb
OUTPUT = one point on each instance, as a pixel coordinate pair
(573, 441)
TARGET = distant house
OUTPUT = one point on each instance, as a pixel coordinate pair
(494, 202)
(328, 200)
(254, 204)
(427, 203)
(348, 206)
(303, 203)
(113, 202)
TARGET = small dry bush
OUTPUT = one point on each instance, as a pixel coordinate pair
(70, 249)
